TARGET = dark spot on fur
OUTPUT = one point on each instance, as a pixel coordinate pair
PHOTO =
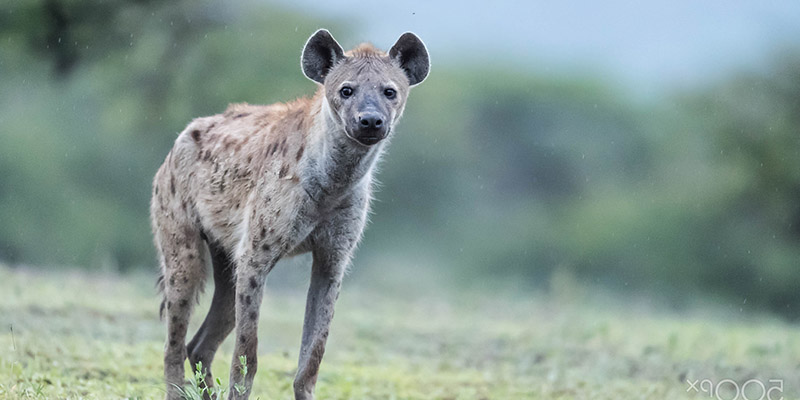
(174, 319)
(172, 281)
(284, 170)
(183, 205)
(184, 303)
(249, 159)
(248, 300)
(191, 256)
(300, 152)
(172, 184)
(237, 205)
(185, 280)
(263, 232)
(207, 155)
(265, 247)
(272, 148)
(241, 115)
(253, 283)
(156, 191)
(242, 338)
(169, 304)
(196, 135)
(210, 127)
(173, 342)
(253, 316)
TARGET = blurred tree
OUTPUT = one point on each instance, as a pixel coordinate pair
(70, 32)
(753, 126)
(82, 141)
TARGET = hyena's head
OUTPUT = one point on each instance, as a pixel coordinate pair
(365, 89)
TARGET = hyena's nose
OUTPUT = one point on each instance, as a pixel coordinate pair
(370, 121)
(371, 128)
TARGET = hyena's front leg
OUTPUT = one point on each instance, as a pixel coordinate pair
(250, 279)
(326, 279)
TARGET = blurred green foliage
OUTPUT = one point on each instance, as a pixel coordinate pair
(494, 174)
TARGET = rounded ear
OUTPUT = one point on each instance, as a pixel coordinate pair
(320, 54)
(413, 57)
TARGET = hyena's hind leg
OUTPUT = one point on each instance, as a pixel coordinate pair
(221, 316)
(183, 263)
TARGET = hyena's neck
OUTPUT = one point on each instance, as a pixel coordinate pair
(335, 164)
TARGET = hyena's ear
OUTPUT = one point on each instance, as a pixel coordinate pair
(413, 57)
(321, 53)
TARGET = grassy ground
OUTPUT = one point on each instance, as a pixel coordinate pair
(97, 336)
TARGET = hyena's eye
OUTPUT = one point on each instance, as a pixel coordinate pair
(346, 91)
(389, 93)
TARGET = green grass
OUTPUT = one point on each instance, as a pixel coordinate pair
(82, 335)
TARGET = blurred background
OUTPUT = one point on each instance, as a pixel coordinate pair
(643, 148)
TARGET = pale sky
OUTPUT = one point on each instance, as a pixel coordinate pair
(645, 46)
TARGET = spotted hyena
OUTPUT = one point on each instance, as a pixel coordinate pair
(248, 187)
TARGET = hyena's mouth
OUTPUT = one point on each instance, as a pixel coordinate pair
(369, 137)
(368, 140)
